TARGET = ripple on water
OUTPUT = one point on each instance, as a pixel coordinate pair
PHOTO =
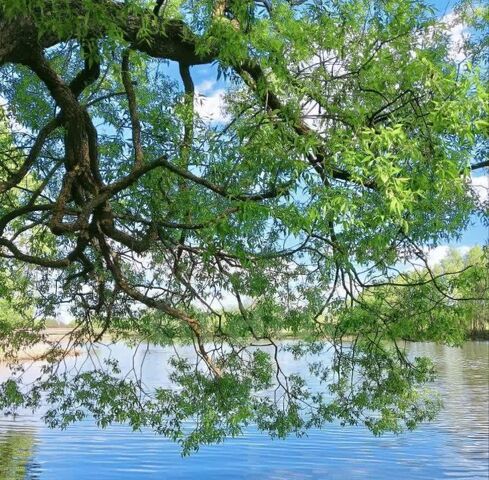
(454, 446)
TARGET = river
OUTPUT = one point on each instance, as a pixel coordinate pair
(455, 445)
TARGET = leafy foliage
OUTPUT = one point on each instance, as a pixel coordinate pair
(350, 134)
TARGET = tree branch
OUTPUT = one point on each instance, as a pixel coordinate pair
(133, 110)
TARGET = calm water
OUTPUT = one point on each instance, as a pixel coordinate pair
(456, 445)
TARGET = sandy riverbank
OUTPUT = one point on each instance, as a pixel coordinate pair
(54, 335)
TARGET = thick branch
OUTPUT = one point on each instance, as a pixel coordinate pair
(34, 152)
(477, 166)
(272, 193)
(133, 110)
(172, 40)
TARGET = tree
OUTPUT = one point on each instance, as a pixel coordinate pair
(351, 132)
(450, 301)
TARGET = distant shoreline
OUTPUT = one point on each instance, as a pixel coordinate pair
(38, 351)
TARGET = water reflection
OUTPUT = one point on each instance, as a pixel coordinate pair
(454, 446)
(464, 385)
(16, 455)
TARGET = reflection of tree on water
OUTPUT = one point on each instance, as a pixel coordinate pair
(463, 382)
(16, 452)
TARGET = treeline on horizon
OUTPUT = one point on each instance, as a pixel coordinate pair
(451, 301)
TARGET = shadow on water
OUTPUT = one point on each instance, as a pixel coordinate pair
(17, 450)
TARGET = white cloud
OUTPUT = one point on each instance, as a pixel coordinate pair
(14, 125)
(436, 255)
(207, 86)
(457, 32)
(212, 107)
(432, 255)
(210, 101)
(480, 187)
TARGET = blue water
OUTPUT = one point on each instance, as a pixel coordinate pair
(456, 445)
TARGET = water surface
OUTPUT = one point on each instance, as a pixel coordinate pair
(456, 445)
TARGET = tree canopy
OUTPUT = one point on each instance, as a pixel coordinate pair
(350, 131)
